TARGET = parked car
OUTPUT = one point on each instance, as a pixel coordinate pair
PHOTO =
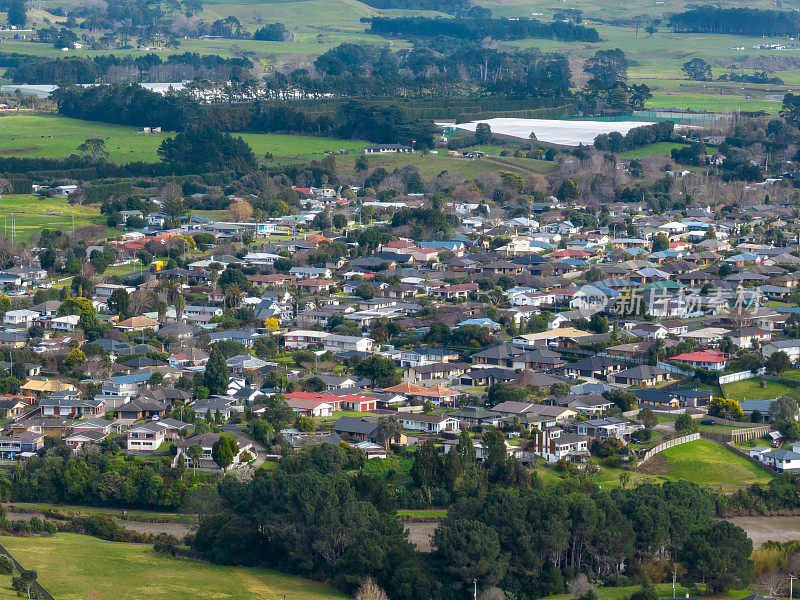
(707, 422)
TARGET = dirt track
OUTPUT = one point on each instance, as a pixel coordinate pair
(761, 529)
(420, 534)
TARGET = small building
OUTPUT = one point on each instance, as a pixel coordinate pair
(388, 149)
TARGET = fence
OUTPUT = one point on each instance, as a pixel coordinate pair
(741, 375)
(674, 369)
(668, 444)
(737, 435)
(36, 587)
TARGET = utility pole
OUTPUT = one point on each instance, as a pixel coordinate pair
(475, 592)
(674, 577)
(791, 585)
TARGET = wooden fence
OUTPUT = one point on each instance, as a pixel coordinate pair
(668, 444)
(737, 435)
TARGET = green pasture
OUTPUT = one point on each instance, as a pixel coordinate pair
(51, 136)
(74, 567)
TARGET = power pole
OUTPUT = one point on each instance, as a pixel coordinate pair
(791, 585)
(674, 577)
(475, 592)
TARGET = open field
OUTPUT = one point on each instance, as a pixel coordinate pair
(78, 567)
(705, 463)
(751, 389)
(44, 136)
(32, 214)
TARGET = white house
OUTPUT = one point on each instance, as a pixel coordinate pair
(20, 318)
(429, 423)
(302, 338)
(344, 343)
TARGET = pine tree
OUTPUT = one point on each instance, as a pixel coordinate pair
(216, 375)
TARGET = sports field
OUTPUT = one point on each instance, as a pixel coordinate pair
(78, 567)
(31, 214)
(52, 136)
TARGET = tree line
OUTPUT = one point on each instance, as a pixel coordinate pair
(109, 68)
(477, 29)
(737, 21)
(313, 520)
(636, 137)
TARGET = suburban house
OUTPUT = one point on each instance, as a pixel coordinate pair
(596, 367)
(428, 423)
(713, 360)
(554, 445)
(206, 442)
(609, 427)
(311, 408)
(642, 375)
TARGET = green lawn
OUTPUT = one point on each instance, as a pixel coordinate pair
(706, 463)
(51, 136)
(795, 374)
(664, 591)
(751, 389)
(80, 567)
(32, 214)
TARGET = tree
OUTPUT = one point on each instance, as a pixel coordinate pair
(75, 358)
(685, 424)
(697, 69)
(483, 133)
(778, 362)
(172, 202)
(239, 211)
(201, 500)
(495, 445)
(94, 147)
(370, 590)
(719, 554)
(790, 109)
(568, 191)
(648, 417)
(119, 302)
(223, 452)
(195, 453)
(784, 409)
(624, 399)
(559, 389)
(660, 242)
(17, 14)
(215, 377)
(379, 370)
(725, 408)
(339, 221)
(606, 68)
(469, 550)
(466, 449)
(389, 429)
(276, 412)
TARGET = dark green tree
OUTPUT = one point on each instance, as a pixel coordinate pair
(719, 554)
(379, 370)
(216, 377)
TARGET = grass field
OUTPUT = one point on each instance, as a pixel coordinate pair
(79, 567)
(705, 463)
(751, 389)
(44, 136)
(32, 214)
(651, 150)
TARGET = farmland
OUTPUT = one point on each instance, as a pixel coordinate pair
(79, 567)
(45, 136)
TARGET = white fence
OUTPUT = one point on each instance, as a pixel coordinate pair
(740, 376)
(674, 369)
(668, 444)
